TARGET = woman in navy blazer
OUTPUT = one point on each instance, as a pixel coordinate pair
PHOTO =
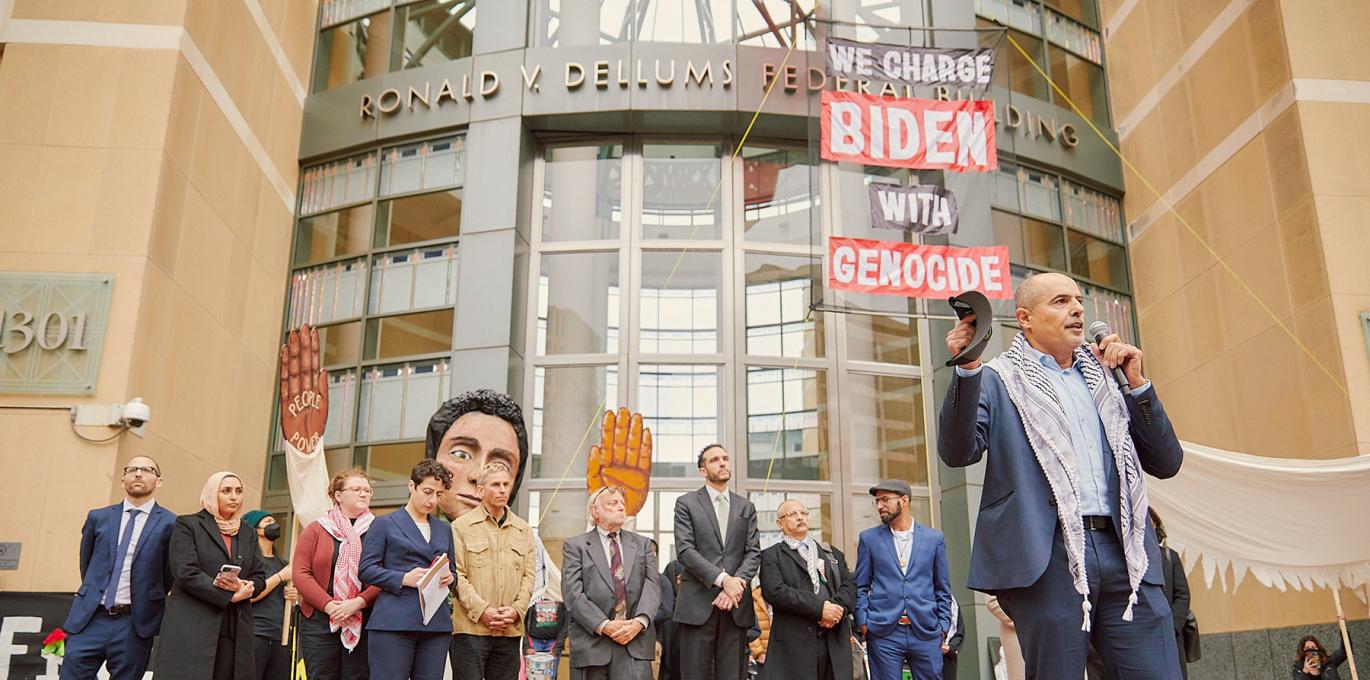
(399, 548)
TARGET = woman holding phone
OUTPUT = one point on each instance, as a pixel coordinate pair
(399, 549)
(215, 569)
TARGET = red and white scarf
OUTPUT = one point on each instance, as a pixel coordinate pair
(346, 584)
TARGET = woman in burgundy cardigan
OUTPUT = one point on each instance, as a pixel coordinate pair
(332, 598)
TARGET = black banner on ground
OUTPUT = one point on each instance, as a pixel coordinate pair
(927, 210)
(25, 619)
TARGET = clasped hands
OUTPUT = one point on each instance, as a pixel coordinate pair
(498, 618)
(832, 615)
(241, 589)
(622, 631)
(731, 595)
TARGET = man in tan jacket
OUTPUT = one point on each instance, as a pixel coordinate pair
(495, 560)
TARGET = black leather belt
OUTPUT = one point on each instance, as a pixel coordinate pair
(1098, 522)
(117, 609)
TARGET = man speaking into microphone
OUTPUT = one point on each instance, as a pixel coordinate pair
(1063, 537)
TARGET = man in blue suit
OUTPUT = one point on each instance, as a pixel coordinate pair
(1063, 537)
(124, 581)
(903, 592)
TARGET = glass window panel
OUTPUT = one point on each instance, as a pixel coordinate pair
(413, 219)
(889, 437)
(409, 335)
(779, 198)
(774, 23)
(685, 21)
(276, 478)
(580, 23)
(890, 338)
(678, 192)
(414, 279)
(1074, 36)
(340, 345)
(1043, 244)
(1021, 14)
(337, 460)
(327, 293)
(334, 234)
(1005, 188)
(1093, 212)
(787, 424)
(392, 462)
(336, 11)
(342, 405)
(1008, 231)
(568, 404)
(353, 51)
(582, 193)
(680, 403)
(1084, 11)
(768, 503)
(436, 31)
(337, 183)
(1112, 308)
(1011, 69)
(680, 313)
(396, 401)
(1098, 260)
(1082, 81)
(877, 20)
(779, 291)
(578, 303)
(421, 166)
(1039, 194)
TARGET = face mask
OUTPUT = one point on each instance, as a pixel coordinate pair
(272, 531)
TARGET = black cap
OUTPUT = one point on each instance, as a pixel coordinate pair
(896, 486)
(965, 304)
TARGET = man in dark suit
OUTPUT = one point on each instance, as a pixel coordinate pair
(124, 580)
(609, 580)
(717, 541)
(811, 593)
(903, 592)
(951, 649)
(1062, 536)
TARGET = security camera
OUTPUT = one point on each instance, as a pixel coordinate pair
(136, 414)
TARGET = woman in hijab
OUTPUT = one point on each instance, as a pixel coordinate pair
(215, 570)
(333, 602)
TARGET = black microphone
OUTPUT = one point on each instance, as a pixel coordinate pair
(1099, 330)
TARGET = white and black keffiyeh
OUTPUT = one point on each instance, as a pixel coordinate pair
(1044, 418)
(808, 549)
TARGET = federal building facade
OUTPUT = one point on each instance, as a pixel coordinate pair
(586, 203)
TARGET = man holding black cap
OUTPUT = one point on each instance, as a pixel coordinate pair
(903, 593)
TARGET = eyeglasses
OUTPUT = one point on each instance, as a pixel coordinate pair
(881, 500)
(360, 490)
(134, 469)
(795, 513)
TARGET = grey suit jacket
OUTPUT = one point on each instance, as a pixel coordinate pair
(588, 588)
(704, 556)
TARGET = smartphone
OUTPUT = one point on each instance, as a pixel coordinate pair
(230, 569)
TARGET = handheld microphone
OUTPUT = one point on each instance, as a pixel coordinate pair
(1099, 330)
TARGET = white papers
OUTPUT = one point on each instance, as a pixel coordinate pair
(432, 594)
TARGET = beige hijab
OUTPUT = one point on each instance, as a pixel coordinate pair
(209, 500)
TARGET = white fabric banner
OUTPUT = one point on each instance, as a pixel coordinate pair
(308, 478)
(1287, 522)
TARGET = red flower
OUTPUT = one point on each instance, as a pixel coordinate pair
(57, 635)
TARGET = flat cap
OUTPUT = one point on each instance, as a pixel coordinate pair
(895, 486)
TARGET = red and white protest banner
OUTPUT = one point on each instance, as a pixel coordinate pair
(908, 133)
(891, 268)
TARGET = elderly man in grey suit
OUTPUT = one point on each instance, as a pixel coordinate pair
(608, 578)
(717, 542)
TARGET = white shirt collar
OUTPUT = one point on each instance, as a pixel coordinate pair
(146, 508)
(713, 495)
(604, 533)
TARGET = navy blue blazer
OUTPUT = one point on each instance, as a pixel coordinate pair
(393, 546)
(884, 592)
(1017, 524)
(150, 575)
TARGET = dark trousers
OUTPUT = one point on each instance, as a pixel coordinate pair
(106, 639)
(325, 658)
(949, 666)
(1047, 615)
(490, 657)
(272, 658)
(621, 666)
(824, 670)
(225, 657)
(716, 650)
(888, 654)
(405, 654)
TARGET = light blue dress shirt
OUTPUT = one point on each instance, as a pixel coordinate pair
(1094, 457)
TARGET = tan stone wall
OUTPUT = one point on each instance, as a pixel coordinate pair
(167, 157)
(1275, 180)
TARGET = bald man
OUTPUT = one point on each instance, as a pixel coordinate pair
(1063, 537)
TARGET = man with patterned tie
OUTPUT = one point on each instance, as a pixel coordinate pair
(608, 578)
(716, 540)
(124, 580)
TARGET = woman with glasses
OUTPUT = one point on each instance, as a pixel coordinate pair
(333, 603)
